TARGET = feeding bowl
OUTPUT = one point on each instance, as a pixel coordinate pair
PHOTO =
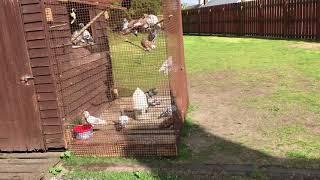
(83, 131)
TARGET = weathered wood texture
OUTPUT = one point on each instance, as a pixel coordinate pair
(20, 128)
(26, 165)
(298, 19)
(41, 63)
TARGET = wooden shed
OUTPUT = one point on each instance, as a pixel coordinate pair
(57, 67)
(43, 78)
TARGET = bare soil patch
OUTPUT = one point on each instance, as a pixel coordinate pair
(232, 132)
(306, 45)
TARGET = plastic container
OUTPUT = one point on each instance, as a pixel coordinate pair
(83, 131)
(140, 104)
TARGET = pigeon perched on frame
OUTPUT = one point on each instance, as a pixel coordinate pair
(73, 15)
(86, 36)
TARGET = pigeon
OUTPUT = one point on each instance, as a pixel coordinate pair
(152, 35)
(125, 24)
(153, 101)
(86, 36)
(147, 45)
(123, 119)
(130, 27)
(151, 92)
(150, 20)
(73, 15)
(93, 120)
(168, 112)
(166, 66)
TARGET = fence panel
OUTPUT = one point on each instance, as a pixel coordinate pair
(268, 18)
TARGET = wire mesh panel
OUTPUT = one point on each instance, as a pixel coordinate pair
(120, 75)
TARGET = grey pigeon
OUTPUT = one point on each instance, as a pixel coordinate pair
(168, 112)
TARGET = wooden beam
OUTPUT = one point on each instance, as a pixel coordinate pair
(100, 3)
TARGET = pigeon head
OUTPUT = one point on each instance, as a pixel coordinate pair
(86, 114)
(81, 25)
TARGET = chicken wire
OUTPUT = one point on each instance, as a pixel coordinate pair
(120, 76)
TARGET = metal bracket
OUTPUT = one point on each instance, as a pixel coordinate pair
(26, 78)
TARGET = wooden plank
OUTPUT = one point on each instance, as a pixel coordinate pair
(60, 34)
(30, 18)
(55, 145)
(46, 97)
(25, 2)
(82, 69)
(45, 88)
(49, 130)
(35, 35)
(49, 114)
(36, 44)
(40, 62)
(52, 121)
(99, 78)
(85, 99)
(79, 61)
(43, 80)
(36, 53)
(54, 138)
(89, 74)
(83, 92)
(36, 26)
(40, 71)
(48, 105)
(31, 8)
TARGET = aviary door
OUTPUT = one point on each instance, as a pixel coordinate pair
(20, 126)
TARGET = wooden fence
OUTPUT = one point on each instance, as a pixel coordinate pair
(298, 19)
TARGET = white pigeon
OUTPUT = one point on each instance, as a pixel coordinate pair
(125, 24)
(92, 120)
(166, 66)
(151, 20)
(73, 15)
(123, 119)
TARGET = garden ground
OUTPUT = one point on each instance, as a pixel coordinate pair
(253, 103)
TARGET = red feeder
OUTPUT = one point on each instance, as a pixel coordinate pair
(83, 131)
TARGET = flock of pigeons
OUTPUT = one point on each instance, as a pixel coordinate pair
(150, 101)
(149, 23)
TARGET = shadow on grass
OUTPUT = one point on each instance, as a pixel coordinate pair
(206, 164)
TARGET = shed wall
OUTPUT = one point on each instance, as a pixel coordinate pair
(34, 28)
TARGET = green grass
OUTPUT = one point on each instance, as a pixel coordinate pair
(133, 67)
(120, 175)
(220, 53)
(290, 76)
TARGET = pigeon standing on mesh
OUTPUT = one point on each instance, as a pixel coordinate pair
(168, 112)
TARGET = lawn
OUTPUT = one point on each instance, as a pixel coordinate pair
(130, 60)
(253, 101)
(260, 95)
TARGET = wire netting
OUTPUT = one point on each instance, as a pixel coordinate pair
(120, 75)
